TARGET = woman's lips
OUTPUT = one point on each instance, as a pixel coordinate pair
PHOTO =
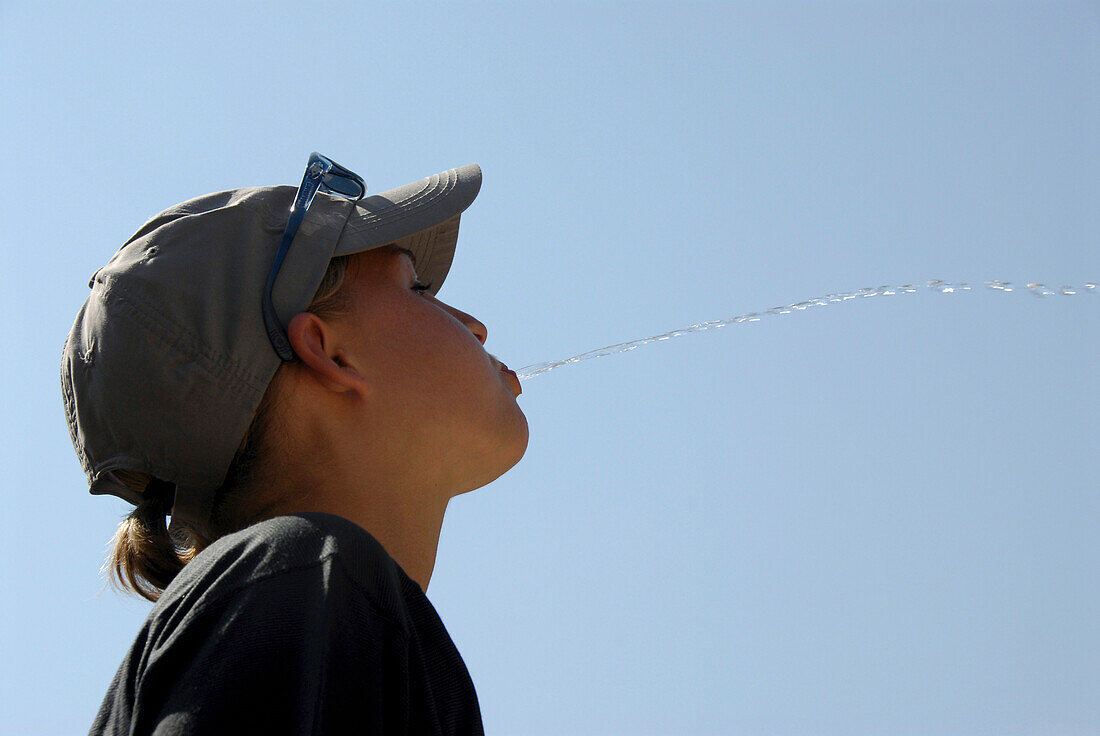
(515, 378)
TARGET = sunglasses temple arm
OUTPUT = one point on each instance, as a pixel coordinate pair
(276, 330)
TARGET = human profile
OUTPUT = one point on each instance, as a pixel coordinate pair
(271, 370)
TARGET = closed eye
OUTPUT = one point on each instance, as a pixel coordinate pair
(419, 287)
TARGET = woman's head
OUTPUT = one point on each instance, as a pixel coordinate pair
(399, 387)
(168, 372)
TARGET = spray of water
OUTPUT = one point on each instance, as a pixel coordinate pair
(937, 286)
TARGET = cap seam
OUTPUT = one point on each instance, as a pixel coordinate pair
(70, 418)
(269, 217)
(126, 462)
(408, 206)
(210, 358)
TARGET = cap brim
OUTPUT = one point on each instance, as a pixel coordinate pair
(422, 216)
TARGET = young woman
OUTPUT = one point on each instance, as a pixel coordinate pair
(273, 371)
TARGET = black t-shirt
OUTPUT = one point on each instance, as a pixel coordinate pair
(297, 625)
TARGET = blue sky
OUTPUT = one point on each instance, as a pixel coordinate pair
(878, 516)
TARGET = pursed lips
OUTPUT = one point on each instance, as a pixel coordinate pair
(500, 366)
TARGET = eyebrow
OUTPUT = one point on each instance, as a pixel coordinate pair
(409, 253)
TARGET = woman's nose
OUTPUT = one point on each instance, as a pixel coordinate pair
(473, 324)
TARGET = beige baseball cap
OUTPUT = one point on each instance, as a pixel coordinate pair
(169, 357)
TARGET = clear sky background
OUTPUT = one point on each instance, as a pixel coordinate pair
(880, 516)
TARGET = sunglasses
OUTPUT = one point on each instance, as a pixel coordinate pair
(322, 174)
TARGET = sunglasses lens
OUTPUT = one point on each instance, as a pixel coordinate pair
(343, 185)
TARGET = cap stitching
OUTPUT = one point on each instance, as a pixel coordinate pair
(407, 207)
(211, 359)
(410, 206)
(70, 414)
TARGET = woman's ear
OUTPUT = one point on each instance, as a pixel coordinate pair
(314, 342)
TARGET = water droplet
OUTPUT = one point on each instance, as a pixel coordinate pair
(945, 288)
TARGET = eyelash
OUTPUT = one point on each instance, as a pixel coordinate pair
(419, 287)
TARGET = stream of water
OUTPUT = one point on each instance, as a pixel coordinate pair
(935, 285)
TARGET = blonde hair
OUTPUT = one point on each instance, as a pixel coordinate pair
(145, 556)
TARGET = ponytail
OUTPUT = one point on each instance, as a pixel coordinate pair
(144, 555)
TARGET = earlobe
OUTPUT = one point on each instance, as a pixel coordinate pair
(314, 343)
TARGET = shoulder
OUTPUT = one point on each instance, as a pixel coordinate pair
(321, 552)
(269, 630)
(276, 543)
